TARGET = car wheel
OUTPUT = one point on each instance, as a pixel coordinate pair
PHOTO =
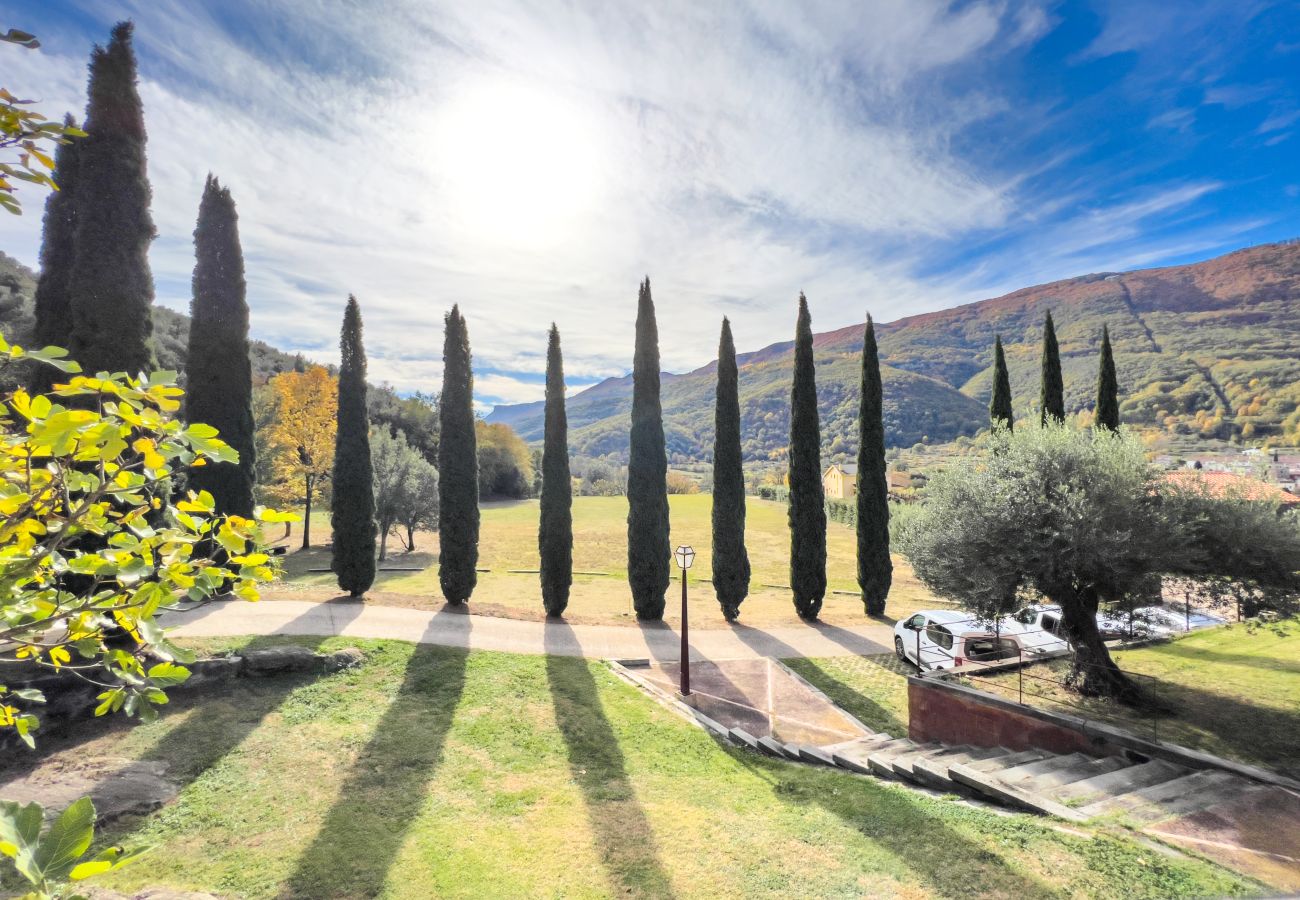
(898, 648)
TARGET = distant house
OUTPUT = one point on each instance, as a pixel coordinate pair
(1228, 484)
(841, 481)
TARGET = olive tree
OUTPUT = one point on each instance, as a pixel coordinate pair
(1080, 518)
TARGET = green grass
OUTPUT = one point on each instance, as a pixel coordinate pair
(508, 540)
(1232, 692)
(432, 772)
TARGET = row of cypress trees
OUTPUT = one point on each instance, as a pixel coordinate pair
(1051, 389)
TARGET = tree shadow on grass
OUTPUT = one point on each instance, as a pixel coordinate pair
(625, 839)
(387, 785)
(857, 704)
(896, 820)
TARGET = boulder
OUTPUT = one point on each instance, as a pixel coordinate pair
(280, 660)
(346, 658)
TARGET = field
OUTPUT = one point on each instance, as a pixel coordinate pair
(508, 541)
(431, 772)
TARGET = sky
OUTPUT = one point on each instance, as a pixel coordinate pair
(533, 161)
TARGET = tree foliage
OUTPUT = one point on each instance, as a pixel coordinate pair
(352, 505)
(875, 568)
(218, 374)
(1051, 389)
(30, 144)
(807, 503)
(1081, 518)
(458, 488)
(46, 860)
(731, 569)
(555, 524)
(505, 464)
(402, 477)
(649, 553)
(89, 542)
(1000, 411)
(1107, 387)
(111, 284)
(53, 301)
(301, 438)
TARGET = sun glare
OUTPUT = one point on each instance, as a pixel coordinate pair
(518, 165)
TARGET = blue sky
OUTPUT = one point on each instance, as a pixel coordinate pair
(532, 161)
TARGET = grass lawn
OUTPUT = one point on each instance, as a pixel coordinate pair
(434, 772)
(508, 540)
(1233, 693)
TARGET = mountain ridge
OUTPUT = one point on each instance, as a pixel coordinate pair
(1202, 348)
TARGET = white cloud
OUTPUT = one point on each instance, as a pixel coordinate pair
(532, 163)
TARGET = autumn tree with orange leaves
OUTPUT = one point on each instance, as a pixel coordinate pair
(301, 438)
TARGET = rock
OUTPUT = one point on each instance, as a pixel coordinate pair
(216, 669)
(346, 658)
(118, 787)
(280, 660)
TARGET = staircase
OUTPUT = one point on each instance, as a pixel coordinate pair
(1075, 787)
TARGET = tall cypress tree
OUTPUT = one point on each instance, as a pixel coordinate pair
(458, 516)
(1051, 397)
(875, 568)
(1107, 387)
(58, 252)
(218, 373)
(352, 505)
(730, 558)
(111, 286)
(807, 505)
(555, 529)
(648, 551)
(1000, 412)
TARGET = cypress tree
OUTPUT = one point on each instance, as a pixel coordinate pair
(1051, 397)
(730, 558)
(555, 531)
(218, 373)
(111, 286)
(648, 550)
(352, 505)
(1107, 387)
(807, 504)
(1000, 412)
(58, 251)
(458, 515)
(875, 568)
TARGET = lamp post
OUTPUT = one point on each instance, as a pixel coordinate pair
(685, 556)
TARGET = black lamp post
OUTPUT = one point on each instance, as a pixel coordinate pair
(685, 556)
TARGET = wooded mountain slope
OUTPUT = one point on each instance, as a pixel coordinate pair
(1208, 348)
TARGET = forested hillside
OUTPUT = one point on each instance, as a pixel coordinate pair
(1207, 349)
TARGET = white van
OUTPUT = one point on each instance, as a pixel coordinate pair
(949, 639)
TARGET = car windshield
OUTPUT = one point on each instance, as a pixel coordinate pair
(1026, 617)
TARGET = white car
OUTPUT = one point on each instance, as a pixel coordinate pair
(1174, 619)
(1037, 629)
(948, 639)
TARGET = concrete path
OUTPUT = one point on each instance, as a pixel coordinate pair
(454, 629)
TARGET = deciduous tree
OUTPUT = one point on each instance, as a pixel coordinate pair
(807, 503)
(301, 438)
(649, 553)
(218, 373)
(875, 568)
(352, 507)
(730, 556)
(555, 525)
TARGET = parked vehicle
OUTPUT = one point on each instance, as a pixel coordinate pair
(1175, 619)
(1038, 628)
(949, 639)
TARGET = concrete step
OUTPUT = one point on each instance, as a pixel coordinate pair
(1160, 792)
(791, 750)
(855, 756)
(1044, 783)
(1019, 757)
(1023, 774)
(743, 738)
(989, 785)
(877, 737)
(902, 764)
(815, 755)
(1212, 792)
(772, 747)
(881, 759)
(1120, 781)
(933, 771)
